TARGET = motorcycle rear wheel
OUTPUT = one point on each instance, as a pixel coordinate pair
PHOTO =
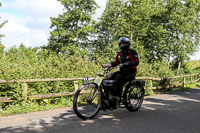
(133, 97)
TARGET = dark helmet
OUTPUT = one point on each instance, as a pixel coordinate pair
(126, 41)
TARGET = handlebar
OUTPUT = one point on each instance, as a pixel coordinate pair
(111, 68)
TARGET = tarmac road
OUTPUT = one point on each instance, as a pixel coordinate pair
(178, 112)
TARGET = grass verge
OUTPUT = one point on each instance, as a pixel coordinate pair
(166, 91)
(33, 106)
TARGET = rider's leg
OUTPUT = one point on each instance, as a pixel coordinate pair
(119, 84)
(123, 77)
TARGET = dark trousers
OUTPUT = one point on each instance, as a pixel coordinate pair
(121, 78)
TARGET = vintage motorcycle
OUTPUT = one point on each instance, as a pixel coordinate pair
(92, 97)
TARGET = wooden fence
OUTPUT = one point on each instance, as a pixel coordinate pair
(168, 83)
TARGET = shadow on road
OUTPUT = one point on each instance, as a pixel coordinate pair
(170, 113)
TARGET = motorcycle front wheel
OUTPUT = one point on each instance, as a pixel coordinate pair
(87, 101)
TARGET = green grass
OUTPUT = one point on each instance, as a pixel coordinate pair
(194, 85)
(166, 91)
(33, 106)
(187, 87)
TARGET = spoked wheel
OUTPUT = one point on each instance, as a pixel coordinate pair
(133, 97)
(87, 101)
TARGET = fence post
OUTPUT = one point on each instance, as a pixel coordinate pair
(151, 84)
(199, 76)
(170, 83)
(25, 90)
(184, 82)
(75, 86)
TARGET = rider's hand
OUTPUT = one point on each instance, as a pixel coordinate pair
(126, 63)
(106, 65)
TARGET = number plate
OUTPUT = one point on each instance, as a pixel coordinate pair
(98, 80)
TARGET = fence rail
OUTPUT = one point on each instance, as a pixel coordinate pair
(170, 84)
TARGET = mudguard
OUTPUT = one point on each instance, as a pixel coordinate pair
(140, 82)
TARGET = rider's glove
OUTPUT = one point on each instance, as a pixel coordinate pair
(126, 63)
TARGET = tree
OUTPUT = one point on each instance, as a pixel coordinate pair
(73, 27)
(105, 45)
(183, 28)
(173, 33)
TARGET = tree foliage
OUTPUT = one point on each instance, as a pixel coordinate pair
(31, 63)
(73, 27)
(159, 30)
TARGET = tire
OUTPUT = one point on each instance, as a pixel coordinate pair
(87, 101)
(133, 97)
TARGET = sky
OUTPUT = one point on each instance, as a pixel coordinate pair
(29, 21)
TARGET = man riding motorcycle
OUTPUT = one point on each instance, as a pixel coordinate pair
(129, 59)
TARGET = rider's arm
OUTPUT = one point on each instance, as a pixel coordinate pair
(117, 61)
(134, 59)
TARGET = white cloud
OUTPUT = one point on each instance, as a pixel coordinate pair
(17, 32)
(36, 8)
(28, 21)
(99, 11)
